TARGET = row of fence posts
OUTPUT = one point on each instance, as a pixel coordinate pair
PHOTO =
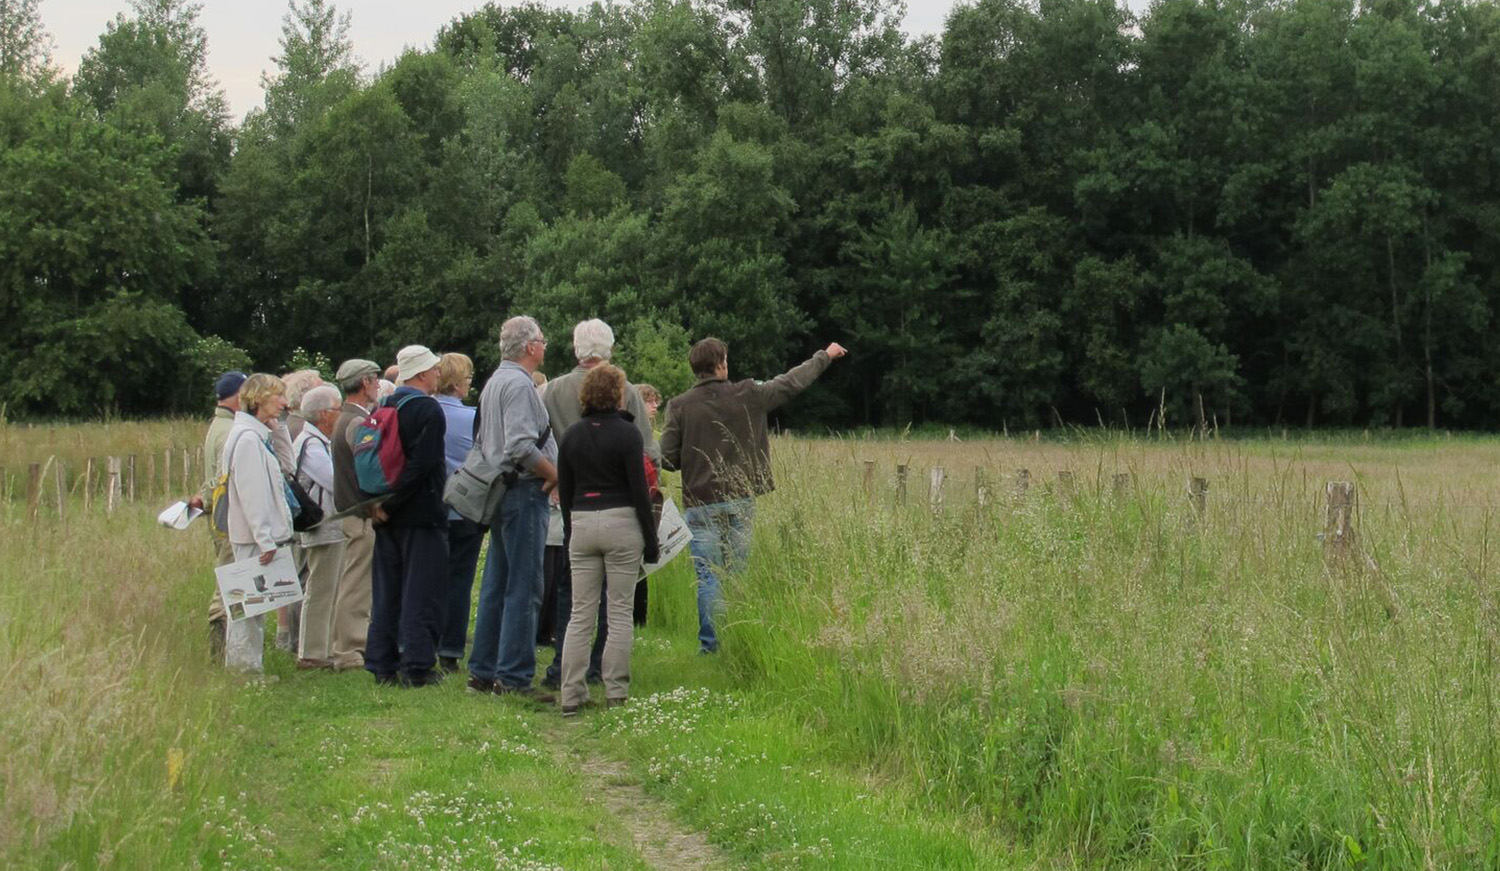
(109, 482)
(1340, 499)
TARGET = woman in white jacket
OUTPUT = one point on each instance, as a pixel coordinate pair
(260, 519)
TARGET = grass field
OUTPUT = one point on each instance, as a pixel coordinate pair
(1088, 676)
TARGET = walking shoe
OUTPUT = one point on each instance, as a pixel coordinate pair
(551, 683)
(314, 664)
(529, 693)
(480, 685)
(449, 664)
(387, 680)
(571, 710)
(430, 677)
(614, 703)
(216, 640)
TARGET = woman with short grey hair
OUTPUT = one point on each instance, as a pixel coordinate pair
(323, 545)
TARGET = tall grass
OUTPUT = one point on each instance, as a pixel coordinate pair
(108, 707)
(1124, 683)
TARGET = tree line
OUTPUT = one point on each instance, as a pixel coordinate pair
(1267, 212)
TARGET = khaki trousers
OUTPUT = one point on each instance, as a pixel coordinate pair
(223, 556)
(351, 602)
(325, 562)
(605, 553)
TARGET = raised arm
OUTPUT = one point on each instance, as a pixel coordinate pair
(779, 390)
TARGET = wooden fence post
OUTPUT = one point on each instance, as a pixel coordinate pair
(1023, 482)
(1338, 524)
(901, 484)
(187, 468)
(150, 474)
(130, 476)
(112, 493)
(166, 471)
(869, 480)
(88, 485)
(981, 487)
(935, 490)
(1198, 495)
(33, 489)
(58, 476)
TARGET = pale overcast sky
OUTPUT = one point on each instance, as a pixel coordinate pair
(242, 34)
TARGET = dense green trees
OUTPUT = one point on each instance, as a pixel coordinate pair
(1226, 211)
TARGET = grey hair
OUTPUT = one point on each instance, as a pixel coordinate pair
(298, 384)
(516, 334)
(593, 339)
(320, 399)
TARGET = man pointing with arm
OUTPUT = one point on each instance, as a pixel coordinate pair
(716, 435)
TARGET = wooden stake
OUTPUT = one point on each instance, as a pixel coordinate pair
(150, 472)
(57, 478)
(166, 471)
(187, 469)
(1338, 523)
(869, 479)
(130, 476)
(981, 487)
(112, 493)
(935, 489)
(901, 484)
(1198, 496)
(33, 489)
(88, 485)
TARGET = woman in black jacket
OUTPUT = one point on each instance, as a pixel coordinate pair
(608, 527)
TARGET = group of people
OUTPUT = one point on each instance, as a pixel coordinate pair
(388, 579)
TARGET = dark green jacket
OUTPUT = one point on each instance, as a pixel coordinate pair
(716, 433)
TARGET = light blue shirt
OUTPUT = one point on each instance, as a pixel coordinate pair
(460, 431)
(459, 437)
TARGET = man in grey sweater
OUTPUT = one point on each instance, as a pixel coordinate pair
(515, 435)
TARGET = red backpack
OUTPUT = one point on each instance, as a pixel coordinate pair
(378, 455)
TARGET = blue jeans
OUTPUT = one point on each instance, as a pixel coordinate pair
(720, 546)
(464, 539)
(511, 590)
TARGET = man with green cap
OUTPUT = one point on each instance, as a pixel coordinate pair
(360, 382)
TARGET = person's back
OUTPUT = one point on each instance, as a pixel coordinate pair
(564, 408)
(716, 435)
(417, 499)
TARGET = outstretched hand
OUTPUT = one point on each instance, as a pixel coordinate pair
(836, 351)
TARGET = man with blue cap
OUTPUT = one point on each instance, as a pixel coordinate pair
(227, 392)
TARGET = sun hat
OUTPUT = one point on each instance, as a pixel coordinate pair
(352, 369)
(413, 360)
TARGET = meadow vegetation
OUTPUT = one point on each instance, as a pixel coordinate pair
(1056, 679)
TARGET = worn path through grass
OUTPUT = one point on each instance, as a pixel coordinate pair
(329, 771)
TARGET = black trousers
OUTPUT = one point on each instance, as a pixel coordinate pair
(409, 584)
